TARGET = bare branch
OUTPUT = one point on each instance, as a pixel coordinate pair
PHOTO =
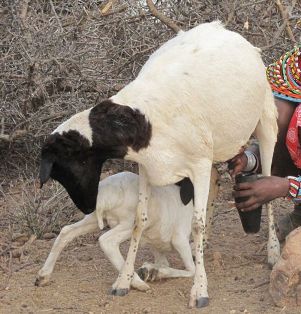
(164, 19)
(285, 17)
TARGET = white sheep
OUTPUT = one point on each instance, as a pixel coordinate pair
(168, 227)
(196, 101)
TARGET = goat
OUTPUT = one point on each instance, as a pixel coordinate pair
(196, 101)
(168, 226)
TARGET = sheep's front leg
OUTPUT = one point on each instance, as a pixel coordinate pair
(122, 284)
(67, 234)
(201, 179)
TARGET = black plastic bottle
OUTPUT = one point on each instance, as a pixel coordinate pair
(250, 220)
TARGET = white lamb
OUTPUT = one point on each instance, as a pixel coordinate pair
(168, 227)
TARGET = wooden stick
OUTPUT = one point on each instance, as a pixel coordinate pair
(284, 14)
(164, 19)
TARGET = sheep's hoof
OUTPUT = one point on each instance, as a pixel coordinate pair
(42, 281)
(120, 292)
(148, 274)
(202, 302)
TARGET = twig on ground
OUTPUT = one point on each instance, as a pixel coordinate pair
(56, 16)
(285, 17)
(19, 252)
(164, 19)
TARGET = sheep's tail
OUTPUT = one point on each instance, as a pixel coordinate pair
(164, 19)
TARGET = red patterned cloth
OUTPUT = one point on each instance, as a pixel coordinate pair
(292, 138)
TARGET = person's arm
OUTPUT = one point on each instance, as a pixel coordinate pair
(246, 161)
(261, 191)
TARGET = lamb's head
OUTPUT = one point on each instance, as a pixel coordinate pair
(75, 152)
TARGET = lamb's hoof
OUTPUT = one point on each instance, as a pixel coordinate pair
(148, 274)
(202, 302)
(42, 281)
(143, 273)
(120, 292)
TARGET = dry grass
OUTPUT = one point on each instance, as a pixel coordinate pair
(39, 211)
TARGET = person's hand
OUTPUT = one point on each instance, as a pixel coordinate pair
(237, 164)
(260, 192)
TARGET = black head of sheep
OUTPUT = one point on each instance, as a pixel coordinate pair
(75, 161)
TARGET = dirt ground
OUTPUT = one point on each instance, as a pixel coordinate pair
(238, 275)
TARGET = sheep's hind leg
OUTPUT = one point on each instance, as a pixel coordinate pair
(213, 191)
(122, 284)
(68, 233)
(201, 180)
(266, 134)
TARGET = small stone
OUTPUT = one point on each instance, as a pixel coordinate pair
(236, 278)
(49, 236)
(261, 298)
(20, 237)
(147, 310)
(106, 305)
(232, 311)
(85, 258)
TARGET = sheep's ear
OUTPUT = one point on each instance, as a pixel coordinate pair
(45, 170)
(186, 190)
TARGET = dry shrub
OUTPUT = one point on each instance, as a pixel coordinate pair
(60, 57)
(39, 211)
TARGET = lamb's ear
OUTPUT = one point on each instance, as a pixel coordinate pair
(186, 190)
(45, 170)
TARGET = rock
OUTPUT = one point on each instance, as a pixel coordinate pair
(49, 236)
(20, 237)
(285, 278)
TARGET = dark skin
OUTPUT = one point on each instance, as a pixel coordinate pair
(268, 188)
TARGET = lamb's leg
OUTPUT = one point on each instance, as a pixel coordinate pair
(213, 191)
(201, 179)
(160, 270)
(67, 234)
(149, 271)
(110, 242)
(122, 284)
(266, 132)
(160, 258)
